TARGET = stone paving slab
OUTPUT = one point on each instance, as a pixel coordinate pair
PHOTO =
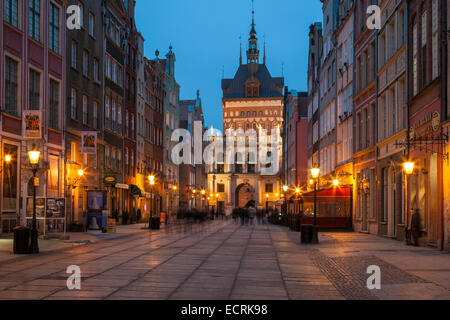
(221, 260)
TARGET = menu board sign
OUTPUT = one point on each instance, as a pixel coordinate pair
(55, 208)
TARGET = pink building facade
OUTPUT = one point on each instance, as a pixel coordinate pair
(32, 69)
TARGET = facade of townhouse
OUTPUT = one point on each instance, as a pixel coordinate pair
(171, 121)
(365, 217)
(154, 131)
(32, 82)
(315, 51)
(84, 112)
(392, 119)
(344, 143)
(327, 99)
(193, 179)
(427, 137)
(445, 67)
(143, 204)
(130, 100)
(115, 29)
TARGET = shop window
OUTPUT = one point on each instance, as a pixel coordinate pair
(9, 179)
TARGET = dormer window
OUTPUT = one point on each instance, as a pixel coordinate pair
(252, 90)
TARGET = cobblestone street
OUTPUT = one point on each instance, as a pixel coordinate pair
(223, 260)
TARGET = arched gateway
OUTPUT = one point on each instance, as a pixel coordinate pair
(245, 196)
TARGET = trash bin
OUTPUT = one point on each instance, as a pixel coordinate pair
(306, 233)
(22, 240)
(155, 223)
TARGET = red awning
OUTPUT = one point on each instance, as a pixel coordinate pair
(333, 194)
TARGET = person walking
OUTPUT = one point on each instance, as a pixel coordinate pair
(415, 227)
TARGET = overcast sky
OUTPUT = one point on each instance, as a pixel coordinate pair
(205, 39)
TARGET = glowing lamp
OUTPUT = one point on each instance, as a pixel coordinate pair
(34, 156)
(408, 167)
(8, 158)
(315, 172)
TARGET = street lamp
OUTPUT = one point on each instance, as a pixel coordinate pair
(8, 159)
(267, 202)
(408, 167)
(409, 170)
(34, 156)
(315, 173)
(336, 182)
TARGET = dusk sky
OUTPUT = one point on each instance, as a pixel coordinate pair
(205, 39)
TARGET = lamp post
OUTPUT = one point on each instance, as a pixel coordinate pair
(267, 202)
(409, 170)
(315, 173)
(34, 156)
(297, 205)
(217, 205)
(151, 180)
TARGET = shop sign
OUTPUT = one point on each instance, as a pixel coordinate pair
(434, 120)
(109, 180)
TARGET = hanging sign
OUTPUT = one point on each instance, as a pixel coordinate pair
(89, 142)
(32, 124)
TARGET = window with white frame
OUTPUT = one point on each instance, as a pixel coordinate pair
(435, 38)
(85, 63)
(81, 6)
(96, 70)
(73, 103)
(95, 115)
(74, 52)
(85, 109)
(91, 23)
(415, 62)
(424, 49)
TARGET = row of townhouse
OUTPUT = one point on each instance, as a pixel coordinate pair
(95, 108)
(378, 97)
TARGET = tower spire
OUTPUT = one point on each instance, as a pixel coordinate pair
(264, 59)
(240, 50)
(253, 52)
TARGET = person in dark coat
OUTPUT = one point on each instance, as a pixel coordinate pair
(415, 227)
